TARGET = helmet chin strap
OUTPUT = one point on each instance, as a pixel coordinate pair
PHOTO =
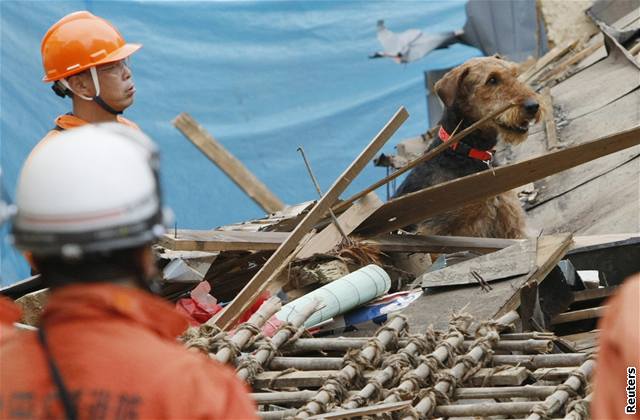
(97, 99)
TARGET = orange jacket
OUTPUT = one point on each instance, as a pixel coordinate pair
(619, 351)
(9, 313)
(68, 121)
(117, 352)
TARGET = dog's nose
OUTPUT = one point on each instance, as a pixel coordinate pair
(531, 106)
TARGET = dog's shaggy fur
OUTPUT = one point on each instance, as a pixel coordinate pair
(475, 89)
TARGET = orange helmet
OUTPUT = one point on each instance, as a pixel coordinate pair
(80, 41)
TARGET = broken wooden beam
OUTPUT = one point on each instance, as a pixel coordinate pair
(221, 240)
(579, 315)
(549, 121)
(420, 205)
(277, 262)
(436, 244)
(228, 163)
(593, 294)
(330, 237)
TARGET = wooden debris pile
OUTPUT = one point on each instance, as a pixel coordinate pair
(445, 368)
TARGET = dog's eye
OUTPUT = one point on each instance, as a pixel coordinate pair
(493, 80)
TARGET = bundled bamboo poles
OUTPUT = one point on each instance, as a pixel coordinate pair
(570, 387)
(475, 393)
(412, 380)
(530, 361)
(247, 330)
(335, 388)
(341, 344)
(488, 337)
(249, 367)
(394, 366)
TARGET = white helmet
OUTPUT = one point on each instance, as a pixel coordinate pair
(90, 189)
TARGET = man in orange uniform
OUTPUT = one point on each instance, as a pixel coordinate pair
(88, 207)
(86, 59)
(615, 394)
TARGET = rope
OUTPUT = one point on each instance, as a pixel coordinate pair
(252, 366)
(540, 410)
(337, 392)
(267, 345)
(224, 342)
(577, 409)
(435, 397)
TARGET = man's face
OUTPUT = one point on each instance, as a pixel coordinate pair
(116, 84)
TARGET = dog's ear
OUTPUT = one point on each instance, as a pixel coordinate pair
(447, 87)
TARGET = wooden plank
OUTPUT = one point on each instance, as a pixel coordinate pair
(330, 237)
(436, 244)
(277, 262)
(220, 240)
(419, 205)
(574, 338)
(547, 59)
(562, 67)
(229, 164)
(553, 374)
(559, 184)
(511, 376)
(517, 259)
(549, 122)
(597, 85)
(613, 205)
(534, 361)
(587, 242)
(593, 294)
(579, 315)
(621, 114)
(585, 345)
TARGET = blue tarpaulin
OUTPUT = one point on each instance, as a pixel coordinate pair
(263, 77)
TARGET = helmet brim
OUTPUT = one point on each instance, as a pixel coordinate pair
(120, 54)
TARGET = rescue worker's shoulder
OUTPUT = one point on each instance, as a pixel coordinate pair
(195, 386)
(9, 313)
(123, 120)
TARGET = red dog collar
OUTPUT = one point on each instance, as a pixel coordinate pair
(462, 148)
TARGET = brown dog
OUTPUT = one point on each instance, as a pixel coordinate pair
(470, 91)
